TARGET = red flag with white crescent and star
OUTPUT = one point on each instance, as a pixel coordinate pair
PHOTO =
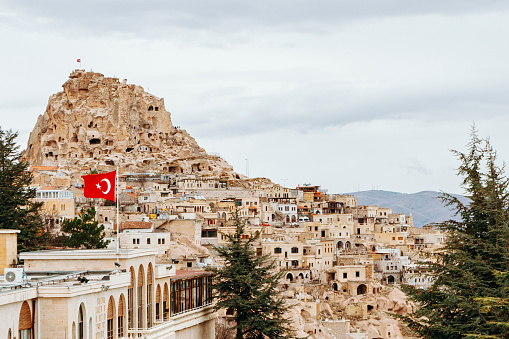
(100, 185)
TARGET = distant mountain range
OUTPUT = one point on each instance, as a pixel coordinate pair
(425, 206)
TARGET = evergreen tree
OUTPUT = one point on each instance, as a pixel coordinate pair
(469, 295)
(247, 286)
(84, 231)
(17, 208)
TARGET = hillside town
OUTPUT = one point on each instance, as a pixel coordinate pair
(343, 263)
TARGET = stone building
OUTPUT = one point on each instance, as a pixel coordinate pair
(104, 294)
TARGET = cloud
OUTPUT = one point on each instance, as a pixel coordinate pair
(313, 107)
(158, 19)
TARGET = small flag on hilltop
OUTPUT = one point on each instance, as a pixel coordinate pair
(79, 60)
(100, 185)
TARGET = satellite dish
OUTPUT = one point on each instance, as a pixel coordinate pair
(10, 276)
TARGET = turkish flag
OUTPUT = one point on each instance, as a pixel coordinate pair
(79, 60)
(100, 185)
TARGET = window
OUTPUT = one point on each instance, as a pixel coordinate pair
(277, 250)
(357, 274)
(148, 241)
(81, 325)
(120, 317)
(295, 250)
(345, 275)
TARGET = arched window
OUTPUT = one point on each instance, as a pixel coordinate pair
(110, 320)
(150, 295)
(130, 298)
(141, 303)
(120, 316)
(81, 324)
(25, 322)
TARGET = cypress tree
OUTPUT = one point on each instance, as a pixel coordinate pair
(18, 210)
(247, 286)
(469, 295)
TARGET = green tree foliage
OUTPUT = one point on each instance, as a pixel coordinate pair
(84, 231)
(469, 295)
(247, 286)
(17, 208)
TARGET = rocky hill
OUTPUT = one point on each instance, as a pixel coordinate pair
(425, 206)
(102, 123)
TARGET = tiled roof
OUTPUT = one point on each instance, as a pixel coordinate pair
(129, 225)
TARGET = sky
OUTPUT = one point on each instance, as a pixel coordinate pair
(348, 95)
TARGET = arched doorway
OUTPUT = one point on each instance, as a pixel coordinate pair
(141, 297)
(110, 319)
(166, 302)
(81, 322)
(120, 316)
(25, 321)
(158, 302)
(339, 245)
(335, 286)
(361, 289)
(390, 279)
(130, 299)
(289, 276)
(150, 295)
(301, 275)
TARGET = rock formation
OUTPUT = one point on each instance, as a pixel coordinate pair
(101, 123)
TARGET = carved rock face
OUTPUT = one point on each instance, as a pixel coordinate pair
(102, 123)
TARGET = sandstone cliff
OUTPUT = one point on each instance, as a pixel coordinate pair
(102, 123)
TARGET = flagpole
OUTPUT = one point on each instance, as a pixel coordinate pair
(118, 226)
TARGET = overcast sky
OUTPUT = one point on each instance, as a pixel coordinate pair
(349, 95)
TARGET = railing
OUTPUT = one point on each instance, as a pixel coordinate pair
(144, 332)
